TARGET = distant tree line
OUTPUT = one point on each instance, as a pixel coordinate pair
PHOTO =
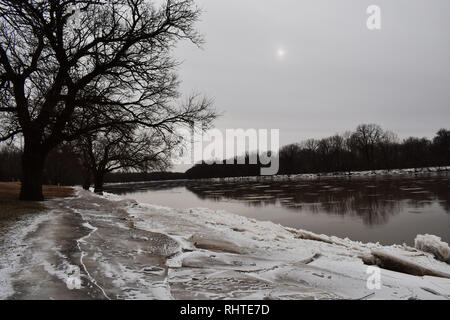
(65, 167)
(115, 177)
(61, 168)
(369, 147)
(224, 169)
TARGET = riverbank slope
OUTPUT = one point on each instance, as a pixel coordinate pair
(92, 247)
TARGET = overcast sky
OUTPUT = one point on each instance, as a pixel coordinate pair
(311, 68)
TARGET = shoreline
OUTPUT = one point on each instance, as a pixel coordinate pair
(308, 176)
(123, 249)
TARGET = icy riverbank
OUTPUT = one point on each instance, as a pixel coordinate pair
(367, 173)
(306, 176)
(126, 250)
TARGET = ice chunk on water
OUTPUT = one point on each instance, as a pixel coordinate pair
(433, 244)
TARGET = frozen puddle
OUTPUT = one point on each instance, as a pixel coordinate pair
(92, 247)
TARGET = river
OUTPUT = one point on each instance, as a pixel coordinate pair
(385, 209)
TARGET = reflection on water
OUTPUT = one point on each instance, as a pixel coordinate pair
(388, 209)
(373, 200)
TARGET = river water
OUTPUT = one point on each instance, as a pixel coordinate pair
(385, 209)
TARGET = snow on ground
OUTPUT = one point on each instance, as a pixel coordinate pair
(125, 250)
(434, 245)
(306, 176)
(219, 247)
(13, 244)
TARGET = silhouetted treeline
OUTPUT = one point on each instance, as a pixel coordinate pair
(222, 170)
(10, 163)
(64, 167)
(369, 147)
(114, 177)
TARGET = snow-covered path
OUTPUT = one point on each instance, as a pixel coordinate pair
(91, 247)
(84, 248)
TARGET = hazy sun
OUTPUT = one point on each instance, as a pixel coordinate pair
(281, 53)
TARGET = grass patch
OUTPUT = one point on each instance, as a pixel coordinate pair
(11, 206)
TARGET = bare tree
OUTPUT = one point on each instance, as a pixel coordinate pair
(366, 137)
(291, 156)
(442, 147)
(112, 65)
(388, 146)
(416, 152)
(110, 150)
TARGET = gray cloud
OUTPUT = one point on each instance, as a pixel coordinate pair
(335, 73)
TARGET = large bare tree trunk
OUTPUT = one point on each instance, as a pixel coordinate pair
(98, 182)
(33, 159)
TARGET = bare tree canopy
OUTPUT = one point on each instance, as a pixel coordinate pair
(109, 150)
(73, 67)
